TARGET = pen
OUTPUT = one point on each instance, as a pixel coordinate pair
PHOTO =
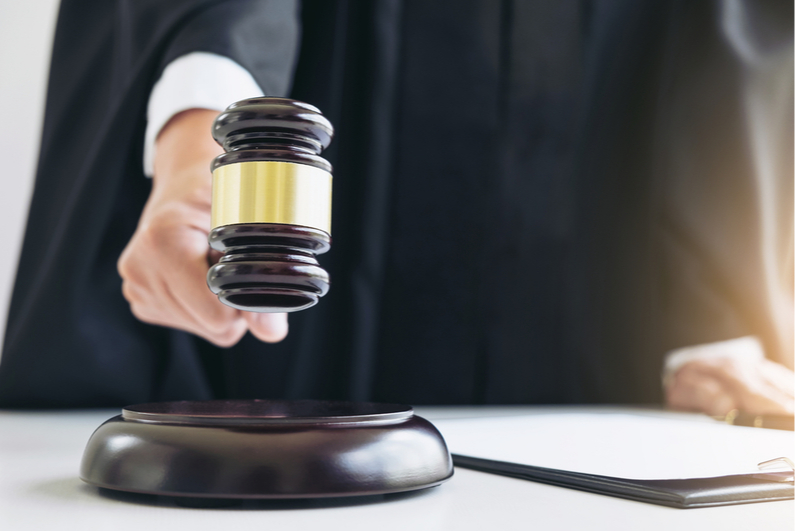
(775, 422)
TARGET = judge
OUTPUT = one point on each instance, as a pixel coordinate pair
(533, 203)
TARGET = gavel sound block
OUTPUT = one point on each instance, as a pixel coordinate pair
(271, 205)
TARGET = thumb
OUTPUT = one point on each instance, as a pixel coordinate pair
(268, 327)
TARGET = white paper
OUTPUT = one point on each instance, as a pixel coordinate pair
(620, 445)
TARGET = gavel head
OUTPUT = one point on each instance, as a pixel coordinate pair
(271, 205)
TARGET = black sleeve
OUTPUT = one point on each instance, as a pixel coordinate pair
(260, 35)
(71, 339)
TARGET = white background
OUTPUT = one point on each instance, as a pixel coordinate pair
(26, 32)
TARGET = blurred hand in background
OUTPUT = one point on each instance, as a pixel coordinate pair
(719, 377)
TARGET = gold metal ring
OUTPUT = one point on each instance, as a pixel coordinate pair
(272, 192)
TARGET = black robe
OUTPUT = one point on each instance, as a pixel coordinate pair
(501, 201)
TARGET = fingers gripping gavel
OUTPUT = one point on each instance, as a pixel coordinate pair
(271, 217)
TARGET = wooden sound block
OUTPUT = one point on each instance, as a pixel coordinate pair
(266, 449)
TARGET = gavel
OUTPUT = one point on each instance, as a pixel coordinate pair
(271, 205)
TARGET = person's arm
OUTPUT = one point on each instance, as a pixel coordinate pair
(164, 265)
(730, 229)
(718, 377)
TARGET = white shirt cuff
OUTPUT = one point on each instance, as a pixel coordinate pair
(747, 348)
(197, 80)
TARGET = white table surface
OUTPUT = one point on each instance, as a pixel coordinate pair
(39, 489)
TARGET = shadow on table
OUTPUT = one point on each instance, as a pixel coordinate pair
(68, 489)
(72, 489)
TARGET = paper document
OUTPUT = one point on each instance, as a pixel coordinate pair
(617, 444)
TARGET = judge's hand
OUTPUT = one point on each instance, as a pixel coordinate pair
(164, 265)
(718, 385)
